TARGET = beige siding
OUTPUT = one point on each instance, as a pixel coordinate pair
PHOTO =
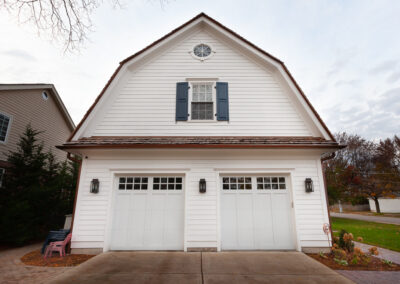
(143, 102)
(92, 220)
(28, 106)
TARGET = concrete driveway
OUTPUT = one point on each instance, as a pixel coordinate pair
(195, 267)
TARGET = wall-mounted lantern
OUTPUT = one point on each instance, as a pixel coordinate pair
(309, 185)
(94, 186)
(202, 185)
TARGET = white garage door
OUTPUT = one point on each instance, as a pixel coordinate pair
(148, 213)
(256, 213)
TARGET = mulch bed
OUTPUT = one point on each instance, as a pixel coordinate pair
(35, 258)
(375, 264)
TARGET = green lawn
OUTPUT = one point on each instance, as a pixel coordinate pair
(378, 234)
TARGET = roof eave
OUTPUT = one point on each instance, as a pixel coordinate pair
(231, 146)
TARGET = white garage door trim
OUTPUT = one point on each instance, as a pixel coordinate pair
(294, 244)
(149, 192)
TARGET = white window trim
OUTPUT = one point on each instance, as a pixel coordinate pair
(214, 98)
(8, 128)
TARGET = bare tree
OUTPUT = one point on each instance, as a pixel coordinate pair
(68, 21)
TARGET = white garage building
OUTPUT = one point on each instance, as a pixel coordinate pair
(201, 141)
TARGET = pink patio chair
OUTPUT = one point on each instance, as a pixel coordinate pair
(58, 247)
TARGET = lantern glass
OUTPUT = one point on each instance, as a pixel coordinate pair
(202, 185)
(94, 186)
(309, 185)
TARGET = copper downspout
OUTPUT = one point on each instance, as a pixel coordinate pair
(331, 156)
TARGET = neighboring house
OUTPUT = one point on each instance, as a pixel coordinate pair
(35, 104)
(200, 141)
(386, 204)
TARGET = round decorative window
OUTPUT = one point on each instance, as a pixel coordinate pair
(202, 50)
(45, 96)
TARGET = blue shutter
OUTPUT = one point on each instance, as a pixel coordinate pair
(182, 101)
(222, 102)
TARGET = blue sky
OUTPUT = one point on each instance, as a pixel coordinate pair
(344, 54)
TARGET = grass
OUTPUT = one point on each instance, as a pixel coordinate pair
(377, 234)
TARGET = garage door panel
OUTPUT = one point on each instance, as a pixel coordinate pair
(263, 225)
(148, 215)
(255, 213)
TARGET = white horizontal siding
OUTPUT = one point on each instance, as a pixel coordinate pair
(201, 217)
(144, 102)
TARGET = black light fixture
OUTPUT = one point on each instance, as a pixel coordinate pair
(309, 185)
(202, 185)
(94, 186)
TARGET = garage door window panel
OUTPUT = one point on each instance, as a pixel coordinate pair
(133, 183)
(236, 183)
(167, 183)
(268, 183)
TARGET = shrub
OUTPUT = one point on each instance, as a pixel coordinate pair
(346, 241)
(321, 254)
(355, 260)
(387, 262)
(339, 253)
(373, 251)
(358, 252)
(341, 261)
(37, 193)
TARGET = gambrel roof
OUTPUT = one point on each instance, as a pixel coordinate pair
(199, 19)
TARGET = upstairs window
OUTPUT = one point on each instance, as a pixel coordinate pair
(202, 102)
(4, 125)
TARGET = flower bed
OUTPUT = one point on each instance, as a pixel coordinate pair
(344, 256)
(35, 258)
(374, 263)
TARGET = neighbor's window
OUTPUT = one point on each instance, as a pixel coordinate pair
(202, 104)
(2, 171)
(4, 124)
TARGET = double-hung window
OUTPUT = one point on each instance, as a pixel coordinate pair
(4, 126)
(202, 103)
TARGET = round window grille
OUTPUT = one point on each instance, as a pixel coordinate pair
(202, 50)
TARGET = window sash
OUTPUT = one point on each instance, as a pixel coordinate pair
(202, 111)
(4, 125)
(202, 101)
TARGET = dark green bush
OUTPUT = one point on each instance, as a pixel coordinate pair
(38, 191)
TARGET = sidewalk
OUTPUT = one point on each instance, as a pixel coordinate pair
(387, 254)
(371, 277)
(378, 219)
(12, 270)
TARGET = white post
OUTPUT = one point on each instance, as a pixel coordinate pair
(340, 207)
